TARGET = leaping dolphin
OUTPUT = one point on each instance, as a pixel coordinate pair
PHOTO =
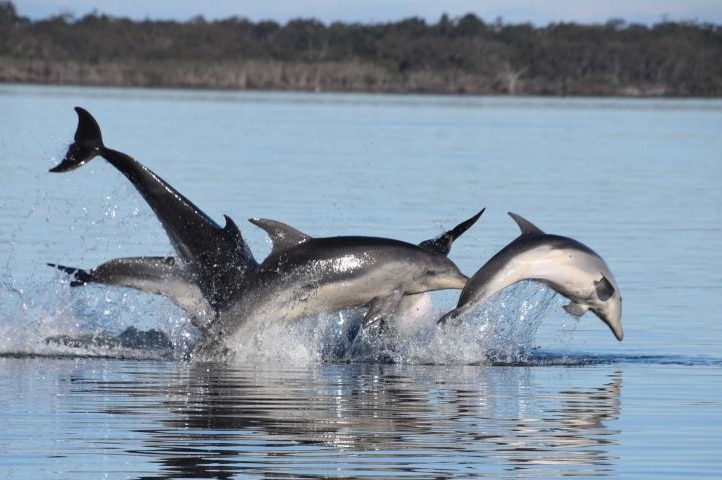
(315, 276)
(564, 264)
(396, 304)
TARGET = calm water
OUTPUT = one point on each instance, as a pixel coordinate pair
(524, 392)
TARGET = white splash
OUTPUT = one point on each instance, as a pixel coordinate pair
(57, 320)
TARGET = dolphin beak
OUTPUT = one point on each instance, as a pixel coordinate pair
(460, 282)
(456, 282)
(617, 331)
(613, 319)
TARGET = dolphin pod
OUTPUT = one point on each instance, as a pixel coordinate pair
(302, 276)
(218, 282)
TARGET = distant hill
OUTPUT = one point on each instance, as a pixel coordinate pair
(464, 55)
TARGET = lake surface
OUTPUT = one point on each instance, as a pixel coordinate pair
(523, 391)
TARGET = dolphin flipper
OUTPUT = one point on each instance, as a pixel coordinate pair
(216, 256)
(381, 308)
(604, 288)
(576, 309)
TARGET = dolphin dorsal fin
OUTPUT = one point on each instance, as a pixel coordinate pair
(526, 227)
(235, 238)
(282, 236)
(442, 243)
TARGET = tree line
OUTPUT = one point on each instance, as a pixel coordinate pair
(464, 55)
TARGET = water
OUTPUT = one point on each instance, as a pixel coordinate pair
(525, 391)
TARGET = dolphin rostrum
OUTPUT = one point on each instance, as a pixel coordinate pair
(564, 264)
(301, 277)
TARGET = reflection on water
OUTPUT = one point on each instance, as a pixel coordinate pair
(212, 421)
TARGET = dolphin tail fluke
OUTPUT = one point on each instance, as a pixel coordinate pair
(88, 143)
(79, 276)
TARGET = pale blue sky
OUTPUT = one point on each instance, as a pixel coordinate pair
(365, 11)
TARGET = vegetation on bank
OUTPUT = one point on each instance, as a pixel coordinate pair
(454, 55)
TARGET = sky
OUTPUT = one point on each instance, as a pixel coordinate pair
(537, 12)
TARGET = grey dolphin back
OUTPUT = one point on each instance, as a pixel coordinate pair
(217, 256)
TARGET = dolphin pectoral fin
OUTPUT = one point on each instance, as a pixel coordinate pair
(604, 288)
(445, 318)
(576, 309)
(88, 143)
(381, 308)
(459, 230)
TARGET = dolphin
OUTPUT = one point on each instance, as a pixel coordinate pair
(159, 275)
(395, 304)
(298, 278)
(325, 275)
(564, 264)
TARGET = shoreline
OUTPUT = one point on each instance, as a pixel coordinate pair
(295, 77)
(462, 56)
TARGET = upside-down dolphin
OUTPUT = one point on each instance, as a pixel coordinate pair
(165, 276)
(317, 275)
(564, 264)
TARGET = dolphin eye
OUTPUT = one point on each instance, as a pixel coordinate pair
(431, 273)
(604, 288)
